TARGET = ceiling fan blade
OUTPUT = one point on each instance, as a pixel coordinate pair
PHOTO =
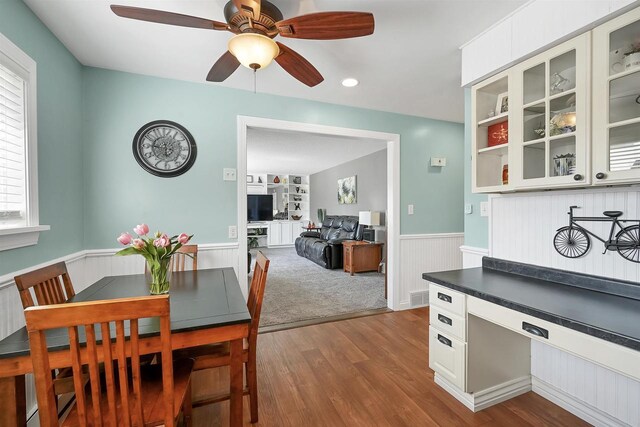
(223, 68)
(250, 8)
(328, 25)
(294, 64)
(162, 17)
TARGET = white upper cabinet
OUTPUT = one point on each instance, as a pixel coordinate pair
(616, 101)
(550, 122)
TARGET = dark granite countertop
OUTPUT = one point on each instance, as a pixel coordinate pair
(567, 299)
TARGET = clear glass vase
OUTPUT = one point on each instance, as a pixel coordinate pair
(159, 276)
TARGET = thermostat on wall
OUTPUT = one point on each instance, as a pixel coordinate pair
(438, 161)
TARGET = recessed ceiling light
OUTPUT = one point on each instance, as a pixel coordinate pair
(350, 82)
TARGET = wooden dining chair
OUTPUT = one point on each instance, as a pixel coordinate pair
(50, 285)
(130, 395)
(215, 356)
(180, 257)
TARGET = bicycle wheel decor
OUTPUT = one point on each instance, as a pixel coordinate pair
(571, 242)
(628, 243)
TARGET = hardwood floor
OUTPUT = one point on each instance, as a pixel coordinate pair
(368, 371)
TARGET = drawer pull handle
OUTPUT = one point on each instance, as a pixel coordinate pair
(444, 340)
(444, 297)
(535, 330)
(445, 319)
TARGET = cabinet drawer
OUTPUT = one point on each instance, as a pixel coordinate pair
(612, 356)
(447, 357)
(452, 301)
(448, 323)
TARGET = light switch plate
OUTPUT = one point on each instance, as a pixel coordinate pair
(468, 209)
(438, 161)
(410, 210)
(229, 174)
(484, 208)
(233, 232)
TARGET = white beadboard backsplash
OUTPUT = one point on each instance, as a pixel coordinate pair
(522, 227)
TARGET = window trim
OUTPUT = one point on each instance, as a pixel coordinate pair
(16, 237)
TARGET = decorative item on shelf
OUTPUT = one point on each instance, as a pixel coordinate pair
(259, 180)
(276, 180)
(490, 114)
(562, 123)
(559, 83)
(249, 179)
(296, 217)
(347, 190)
(284, 180)
(297, 198)
(564, 164)
(540, 131)
(573, 241)
(615, 61)
(321, 214)
(296, 207)
(502, 106)
(252, 242)
(632, 58)
(505, 175)
(157, 251)
(303, 191)
(297, 189)
(498, 134)
(297, 180)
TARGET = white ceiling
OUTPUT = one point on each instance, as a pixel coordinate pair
(298, 153)
(410, 65)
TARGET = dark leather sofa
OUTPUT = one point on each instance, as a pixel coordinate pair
(325, 247)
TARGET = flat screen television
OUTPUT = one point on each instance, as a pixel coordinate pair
(259, 207)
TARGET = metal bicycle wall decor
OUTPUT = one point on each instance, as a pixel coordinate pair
(573, 240)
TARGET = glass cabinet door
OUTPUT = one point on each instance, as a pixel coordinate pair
(616, 145)
(553, 116)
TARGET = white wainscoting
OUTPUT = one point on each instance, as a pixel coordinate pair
(472, 256)
(424, 253)
(87, 267)
(521, 228)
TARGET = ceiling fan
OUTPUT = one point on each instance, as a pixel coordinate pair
(255, 23)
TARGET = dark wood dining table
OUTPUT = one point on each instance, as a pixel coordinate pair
(207, 306)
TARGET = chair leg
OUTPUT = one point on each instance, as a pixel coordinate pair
(252, 381)
(187, 407)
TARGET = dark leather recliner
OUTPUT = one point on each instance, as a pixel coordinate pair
(325, 248)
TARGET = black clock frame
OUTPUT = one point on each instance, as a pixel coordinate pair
(172, 173)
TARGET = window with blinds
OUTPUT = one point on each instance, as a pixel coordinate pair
(13, 177)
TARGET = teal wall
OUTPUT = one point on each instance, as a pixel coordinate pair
(476, 228)
(59, 138)
(119, 194)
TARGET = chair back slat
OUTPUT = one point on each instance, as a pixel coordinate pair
(179, 259)
(46, 286)
(98, 316)
(256, 295)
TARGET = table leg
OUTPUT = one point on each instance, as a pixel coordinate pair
(13, 404)
(236, 379)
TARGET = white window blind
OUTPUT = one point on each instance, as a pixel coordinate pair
(13, 200)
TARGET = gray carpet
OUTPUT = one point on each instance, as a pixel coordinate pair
(298, 289)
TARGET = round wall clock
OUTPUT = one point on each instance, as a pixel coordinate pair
(164, 148)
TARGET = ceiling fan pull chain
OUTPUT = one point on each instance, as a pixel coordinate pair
(254, 79)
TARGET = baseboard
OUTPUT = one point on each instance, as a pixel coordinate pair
(577, 407)
(489, 397)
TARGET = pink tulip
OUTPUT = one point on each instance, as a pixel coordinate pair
(124, 239)
(138, 243)
(162, 241)
(141, 229)
(183, 238)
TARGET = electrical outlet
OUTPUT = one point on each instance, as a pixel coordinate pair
(468, 209)
(484, 208)
(229, 174)
(438, 161)
(410, 209)
(233, 232)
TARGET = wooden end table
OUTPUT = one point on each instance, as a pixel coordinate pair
(359, 256)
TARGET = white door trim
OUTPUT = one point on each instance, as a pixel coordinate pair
(393, 189)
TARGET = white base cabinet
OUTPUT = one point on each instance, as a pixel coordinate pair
(283, 233)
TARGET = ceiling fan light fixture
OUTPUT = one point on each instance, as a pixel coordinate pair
(254, 51)
(350, 82)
